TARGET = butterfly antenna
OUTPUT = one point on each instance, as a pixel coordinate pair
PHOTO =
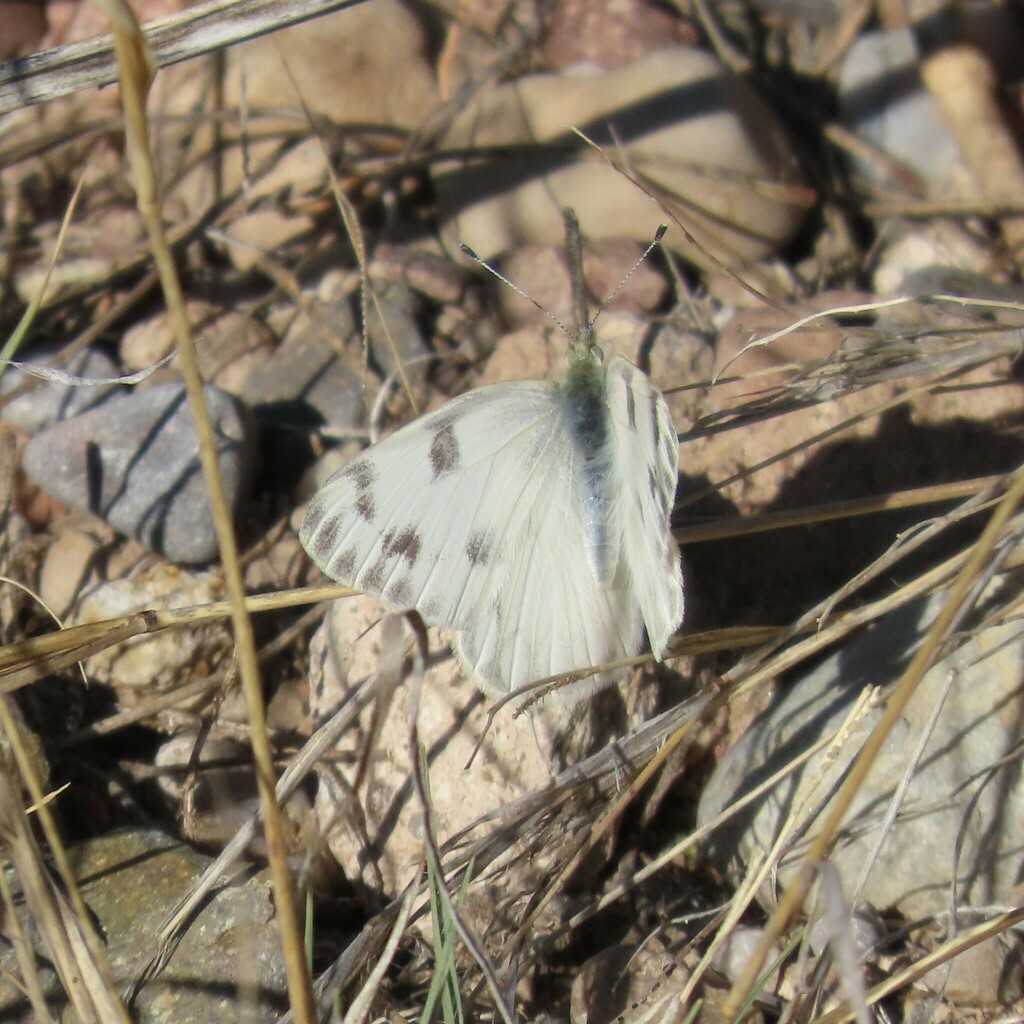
(655, 242)
(519, 291)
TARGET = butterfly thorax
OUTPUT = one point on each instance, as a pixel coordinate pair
(586, 411)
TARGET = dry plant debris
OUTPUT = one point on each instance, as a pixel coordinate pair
(812, 810)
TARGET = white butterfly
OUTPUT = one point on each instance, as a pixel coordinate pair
(530, 517)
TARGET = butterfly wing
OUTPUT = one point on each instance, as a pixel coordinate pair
(644, 464)
(414, 519)
(471, 515)
(548, 613)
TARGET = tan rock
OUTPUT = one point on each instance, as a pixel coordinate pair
(699, 137)
(162, 660)
(363, 65)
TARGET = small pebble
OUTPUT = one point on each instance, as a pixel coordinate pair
(881, 95)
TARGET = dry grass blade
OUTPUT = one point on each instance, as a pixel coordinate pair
(996, 926)
(626, 821)
(201, 29)
(135, 70)
(173, 928)
(804, 808)
(901, 694)
(13, 343)
(59, 913)
(831, 512)
(361, 1005)
(24, 954)
(688, 842)
(868, 415)
(433, 853)
(24, 661)
(838, 921)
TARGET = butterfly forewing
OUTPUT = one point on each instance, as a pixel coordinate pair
(475, 515)
(419, 520)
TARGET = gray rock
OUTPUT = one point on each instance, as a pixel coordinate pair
(135, 462)
(306, 382)
(49, 402)
(882, 96)
(959, 791)
(395, 308)
(227, 966)
(983, 975)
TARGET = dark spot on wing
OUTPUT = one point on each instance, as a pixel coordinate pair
(325, 536)
(403, 544)
(657, 492)
(373, 578)
(444, 449)
(478, 548)
(398, 592)
(656, 438)
(362, 471)
(365, 506)
(343, 568)
(670, 452)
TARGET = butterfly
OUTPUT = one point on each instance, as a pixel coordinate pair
(530, 517)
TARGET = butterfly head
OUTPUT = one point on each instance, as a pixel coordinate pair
(583, 348)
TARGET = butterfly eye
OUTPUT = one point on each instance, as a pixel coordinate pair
(583, 350)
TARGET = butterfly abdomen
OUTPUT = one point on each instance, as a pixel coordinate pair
(586, 412)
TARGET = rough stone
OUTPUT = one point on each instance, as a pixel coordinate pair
(959, 792)
(135, 463)
(307, 382)
(166, 659)
(50, 402)
(669, 111)
(228, 967)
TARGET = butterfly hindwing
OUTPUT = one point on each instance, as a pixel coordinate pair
(645, 468)
(550, 614)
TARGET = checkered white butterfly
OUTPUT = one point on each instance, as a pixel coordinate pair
(530, 517)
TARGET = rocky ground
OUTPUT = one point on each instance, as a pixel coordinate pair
(834, 317)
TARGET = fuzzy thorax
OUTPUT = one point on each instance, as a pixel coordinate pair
(586, 410)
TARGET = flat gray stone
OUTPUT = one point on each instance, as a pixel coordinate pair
(49, 402)
(394, 326)
(134, 461)
(227, 967)
(963, 804)
(306, 383)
